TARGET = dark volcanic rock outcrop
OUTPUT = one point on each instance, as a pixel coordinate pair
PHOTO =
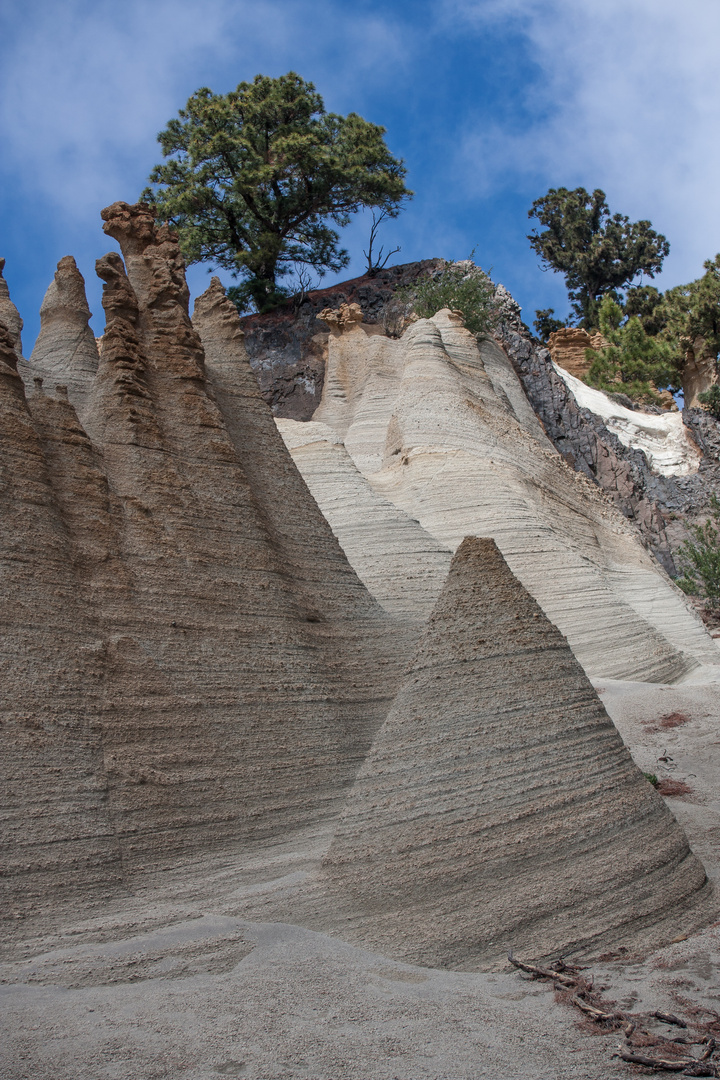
(191, 664)
(288, 347)
(498, 807)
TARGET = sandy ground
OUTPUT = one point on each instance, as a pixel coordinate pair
(177, 981)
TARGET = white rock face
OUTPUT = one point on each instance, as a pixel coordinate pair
(401, 564)
(442, 430)
(664, 439)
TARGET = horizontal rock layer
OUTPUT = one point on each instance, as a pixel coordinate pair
(498, 807)
(443, 430)
(190, 663)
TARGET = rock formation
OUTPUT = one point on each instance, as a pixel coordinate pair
(341, 318)
(664, 439)
(395, 558)
(192, 664)
(66, 351)
(567, 348)
(700, 371)
(9, 314)
(443, 430)
(288, 347)
(193, 670)
(498, 807)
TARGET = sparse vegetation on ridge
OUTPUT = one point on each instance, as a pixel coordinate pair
(460, 286)
(699, 558)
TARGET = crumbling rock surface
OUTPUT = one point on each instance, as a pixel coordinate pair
(190, 664)
(567, 348)
(498, 807)
(341, 318)
(9, 314)
(586, 444)
(288, 347)
(655, 503)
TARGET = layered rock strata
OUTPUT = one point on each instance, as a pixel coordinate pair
(498, 807)
(288, 347)
(442, 429)
(66, 352)
(396, 559)
(9, 314)
(192, 664)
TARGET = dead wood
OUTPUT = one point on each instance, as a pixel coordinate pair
(669, 1018)
(678, 1065)
(598, 1014)
(543, 973)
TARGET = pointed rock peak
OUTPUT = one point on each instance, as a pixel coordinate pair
(9, 314)
(498, 807)
(65, 349)
(65, 298)
(215, 315)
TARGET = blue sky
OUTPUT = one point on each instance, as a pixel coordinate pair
(489, 102)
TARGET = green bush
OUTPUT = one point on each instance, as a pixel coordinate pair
(461, 287)
(710, 401)
(633, 362)
(546, 324)
(699, 558)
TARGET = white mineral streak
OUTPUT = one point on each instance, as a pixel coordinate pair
(663, 438)
(443, 431)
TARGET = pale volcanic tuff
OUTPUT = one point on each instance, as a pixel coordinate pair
(498, 807)
(190, 662)
(192, 668)
(438, 426)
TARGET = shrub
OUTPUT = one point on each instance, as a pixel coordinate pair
(699, 558)
(633, 362)
(710, 400)
(461, 287)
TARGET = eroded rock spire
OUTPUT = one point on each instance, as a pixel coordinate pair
(9, 314)
(498, 807)
(66, 351)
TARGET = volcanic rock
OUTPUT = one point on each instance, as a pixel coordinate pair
(395, 558)
(441, 428)
(66, 351)
(498, 807)
(567, 349)
(192, 664)
(9, 314)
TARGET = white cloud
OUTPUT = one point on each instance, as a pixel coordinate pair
(85, 87)
(627, 101)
